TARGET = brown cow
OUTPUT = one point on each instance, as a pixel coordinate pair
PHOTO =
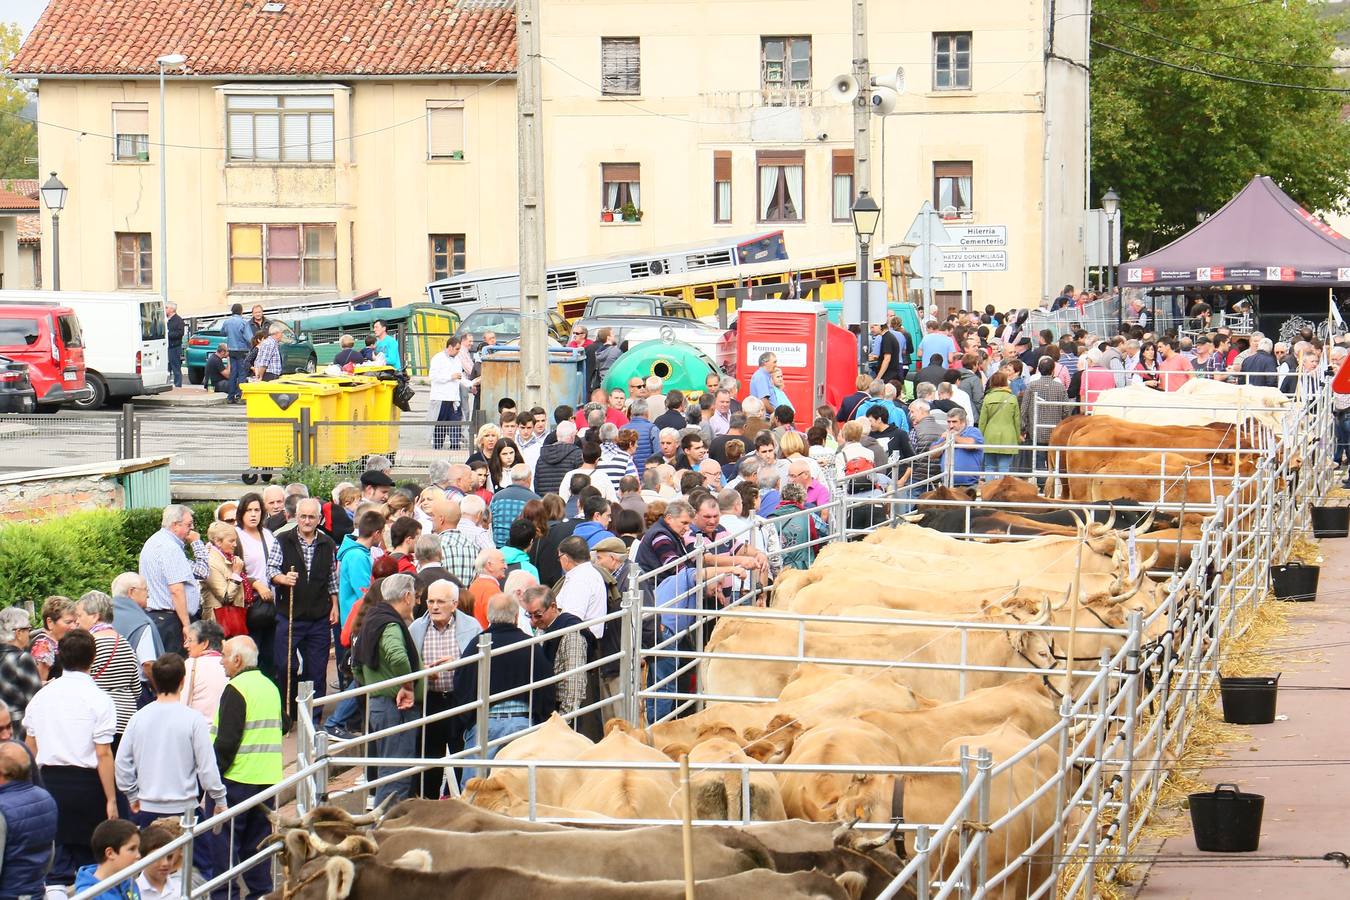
(1199, 441)
(840, 796)
(1173, 475)
(1014, 490)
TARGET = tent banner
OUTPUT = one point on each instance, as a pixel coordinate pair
(1246, 274)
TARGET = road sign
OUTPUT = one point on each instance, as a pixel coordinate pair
(933, 256)
(974, 261)
(970, 237)
(876, 302)
(935, 233)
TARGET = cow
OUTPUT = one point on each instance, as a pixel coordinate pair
(913, 547)
(1013, 490)
(717, 794)
(337, 878)
(1171, 477)
(458, 816)
(726, 675)
(555, 739)
(930, 798)
(1198, 442)
(1063, 522)
(840, 796)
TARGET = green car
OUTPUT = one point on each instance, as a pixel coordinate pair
(297, 353)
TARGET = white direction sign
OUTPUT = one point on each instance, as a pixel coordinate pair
(969, 237)
(974, 261)
(931, 231)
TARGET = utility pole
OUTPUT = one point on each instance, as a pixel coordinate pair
(862, 148)
(530, 171)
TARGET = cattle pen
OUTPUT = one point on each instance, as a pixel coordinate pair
(1050, 818)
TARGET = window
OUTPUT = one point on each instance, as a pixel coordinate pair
(445, 129)
(283, 256)
(841, 185)
(721, 185)
(280, 128)
(131, 130)
(780, 185)
(447, 255)
(785, 68)
(620, 186)
(620, 67)
(154, 326)
(951, 188)
(133, 260)
(951, 61)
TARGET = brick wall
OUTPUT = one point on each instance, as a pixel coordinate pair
(40, 498)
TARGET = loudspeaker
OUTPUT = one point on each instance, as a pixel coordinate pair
(844, 88)
(884, 100)
(895, 82)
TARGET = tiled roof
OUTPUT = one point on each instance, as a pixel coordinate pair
(304, 38)
(30, 229)
(24, 187)
(10, 201)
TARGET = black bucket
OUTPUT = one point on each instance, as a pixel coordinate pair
(1331, 521)
(1227, 820)
(1295, 581)
(1249, 701)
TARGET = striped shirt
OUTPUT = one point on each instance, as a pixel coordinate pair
(163, 564)
(615, 463)
(116, 671)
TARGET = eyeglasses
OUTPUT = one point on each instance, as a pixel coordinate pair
(536, 615)
(578, 333)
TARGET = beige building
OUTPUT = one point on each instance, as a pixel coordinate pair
(337, 146)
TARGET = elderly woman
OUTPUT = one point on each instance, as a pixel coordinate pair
(58, 617)
(205, 678)
(116, 670)
(223, 589)
(792, 447)
(19, 678)
(348, 354)
(484, 444)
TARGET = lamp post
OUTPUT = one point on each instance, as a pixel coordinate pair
(54, 198)
(866, 215)
(1111, 206)
(167, 62)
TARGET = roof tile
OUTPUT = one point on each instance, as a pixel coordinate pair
(10, 201)
(315, 38)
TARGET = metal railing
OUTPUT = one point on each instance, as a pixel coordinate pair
(1122, 720)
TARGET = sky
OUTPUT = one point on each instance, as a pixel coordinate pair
(25, 12)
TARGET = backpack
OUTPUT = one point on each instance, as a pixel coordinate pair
(855, 467)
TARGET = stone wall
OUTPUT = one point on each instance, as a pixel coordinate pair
(57, 496)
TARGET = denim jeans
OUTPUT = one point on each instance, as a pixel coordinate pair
(384, 714)
(998, 463)
(1342, 454)
(176, 364)
(661, 668)
(498, 727)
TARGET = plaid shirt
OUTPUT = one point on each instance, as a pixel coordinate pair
(19, 681)
(440, 644)
(571, 656)
(274, 561)
(163, 564)
(269, 356)
(460, 554)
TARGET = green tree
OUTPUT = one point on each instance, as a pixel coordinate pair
(18, 138)
(1172, 140)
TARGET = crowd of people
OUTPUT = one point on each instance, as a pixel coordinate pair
(174, 689)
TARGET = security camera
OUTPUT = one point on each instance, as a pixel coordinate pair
(822, 136)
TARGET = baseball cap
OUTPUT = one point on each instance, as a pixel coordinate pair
(376, 478)
(611, 545)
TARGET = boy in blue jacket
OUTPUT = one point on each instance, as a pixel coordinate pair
(116, 844)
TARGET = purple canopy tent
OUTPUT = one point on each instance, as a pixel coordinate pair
(1260, 237)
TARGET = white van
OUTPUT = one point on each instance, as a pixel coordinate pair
(126, 342)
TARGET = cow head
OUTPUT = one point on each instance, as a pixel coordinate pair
(866, 797)
(774, 742)
(489, 793)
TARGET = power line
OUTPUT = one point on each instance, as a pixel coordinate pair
(1218, 75)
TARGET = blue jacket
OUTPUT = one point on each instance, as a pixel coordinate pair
(647, 443)
(238, 334)
(29, 814)
(354, 567)
(125, 890)
(592, 533)
(130, 621)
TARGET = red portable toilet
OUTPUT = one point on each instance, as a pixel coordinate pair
(841, 365)
(795, 332)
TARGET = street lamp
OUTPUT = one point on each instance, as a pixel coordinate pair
(167, 62)
(866, 215)
(1111, 206)
(54, 198)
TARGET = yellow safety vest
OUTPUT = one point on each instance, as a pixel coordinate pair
(258, 760)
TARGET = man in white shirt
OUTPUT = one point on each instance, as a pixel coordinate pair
(71, 723)
(444, 403)
(472, 511)
(590, 467)
(583, 587)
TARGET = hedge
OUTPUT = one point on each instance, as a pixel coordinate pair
(80, 552)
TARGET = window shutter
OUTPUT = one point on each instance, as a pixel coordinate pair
(267, 136)
(445, 129)
(131, 118)
(721, 165)
(620, 66)
(951, 170)
(321, 136)
(841, 162)
(781, 157)
(296, 146)
(241, 136)
(621, 172)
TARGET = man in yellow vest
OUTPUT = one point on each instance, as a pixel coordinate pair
(248, 752)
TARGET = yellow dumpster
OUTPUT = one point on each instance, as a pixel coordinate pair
(346, 440)
(272, 444)
(382, 439)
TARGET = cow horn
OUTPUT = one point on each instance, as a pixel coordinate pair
(913, 517)
(1077, 521)
(1148, 563)
(1068, 592)
(1110, 519)
(1044, 616)
(280, 822)
(841, 833)
(374, 816)
(1146, 523)
(868, 846)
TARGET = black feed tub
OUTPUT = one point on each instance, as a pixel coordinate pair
(1226, 820)
(1295, 581)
